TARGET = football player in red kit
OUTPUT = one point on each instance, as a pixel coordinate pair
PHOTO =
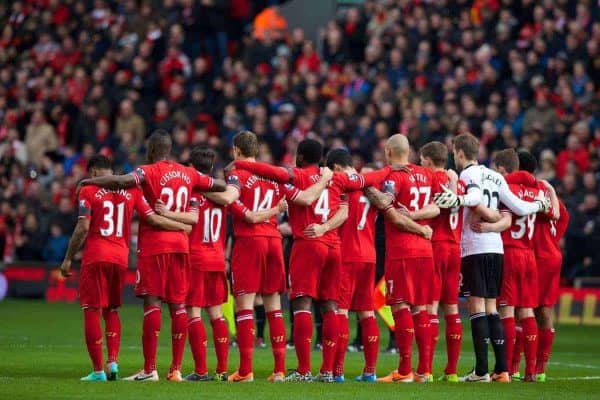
(446, 256)
(357, 281)
(549, 229)
(409, 258)
(257, 265)
(315, 261)
(163, 257)
(104, 225)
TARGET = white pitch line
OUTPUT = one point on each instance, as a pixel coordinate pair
(587, 366)
(576, 378)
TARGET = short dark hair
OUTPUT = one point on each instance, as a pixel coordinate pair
(202, 158)
(159, 145)
(527, 161)
(469, 144)
(508, 159)
(340, 157)
(309, 152)
(437, 152)
(98, 161)
(247, 142)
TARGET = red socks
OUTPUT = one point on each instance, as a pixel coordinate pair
(516, 358)
(197, 338)
(277, 335)
(546, 338)
(453, 342)
(302, 339)
(405, 332)
(422, 334)
(221, 342)
(178, 336)
(150, 332)
(508, 323)
(434, 334)
(93, 336)
(370, 342)
(342, 344)
(245, 337)
(330, 339)
(112, 327)
(530, 343)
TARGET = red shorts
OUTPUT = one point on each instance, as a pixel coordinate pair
(409, 280)
(315, 269)
(257, 265)
(446, 275)
(207, 288)
(101, 285)
(164, 276)
(548, 280)
(519, 279)
(357, 287)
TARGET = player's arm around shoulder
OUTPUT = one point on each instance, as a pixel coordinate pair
(499, 226)
(311, 194)
(230, 194)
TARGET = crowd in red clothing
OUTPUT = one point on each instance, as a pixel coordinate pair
(79, 77)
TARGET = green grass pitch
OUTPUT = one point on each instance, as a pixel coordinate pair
(42, 356)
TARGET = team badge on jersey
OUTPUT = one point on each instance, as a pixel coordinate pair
(233, 180)
(389, 187)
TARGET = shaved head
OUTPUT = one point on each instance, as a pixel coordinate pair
(397, 148)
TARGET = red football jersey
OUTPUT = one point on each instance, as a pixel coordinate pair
(257, 194)
(207, 239)
(520, 233)
(447, 226)
(358, 232)
(110, 213)
(325, 206)
(548, 233)
(413, 191)
(173, 183)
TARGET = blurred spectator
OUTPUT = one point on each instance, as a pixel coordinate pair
(29, 243)
(129, 121)
(40, 137)
(56, 245)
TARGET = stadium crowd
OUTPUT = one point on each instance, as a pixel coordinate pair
(84, 77)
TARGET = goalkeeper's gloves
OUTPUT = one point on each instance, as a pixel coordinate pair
(448, 199)
(543, 203)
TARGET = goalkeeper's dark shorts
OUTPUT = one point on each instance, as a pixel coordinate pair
(482, 275)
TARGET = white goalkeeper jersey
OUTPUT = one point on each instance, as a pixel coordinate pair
(487, 187)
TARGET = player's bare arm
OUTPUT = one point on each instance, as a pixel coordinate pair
(487, 214)
(166, 224)
(499, 226)
(224, 198)
(308, 196)
(111, 181)
(427, 212)
(383, 202)
(256, 217)
(218, 185)
(189, 217)
(79, 234)
(554, 204)
(318, 230)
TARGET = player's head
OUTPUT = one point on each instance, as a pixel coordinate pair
(527, 161)
(466, 149)
(245, 145)
(202, 158)
(434, 155)
(339, 160)
(309, 152)
(99, 165)
(159, 146)
(506, 161)
(397, 149)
